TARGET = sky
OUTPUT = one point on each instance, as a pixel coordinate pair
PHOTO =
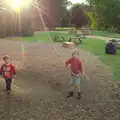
(77, 1)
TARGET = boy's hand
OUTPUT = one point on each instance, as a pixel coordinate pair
(85, 76)
(70, 72)
(14, 76)
(68, 67)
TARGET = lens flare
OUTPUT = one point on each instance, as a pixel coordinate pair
(17, 5)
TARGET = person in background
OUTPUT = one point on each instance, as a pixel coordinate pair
(110, 47)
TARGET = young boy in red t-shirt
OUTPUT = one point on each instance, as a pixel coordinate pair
(8, 71)
(75, 66)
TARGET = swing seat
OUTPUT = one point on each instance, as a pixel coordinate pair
(68, 44)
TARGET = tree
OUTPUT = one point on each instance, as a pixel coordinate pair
(79, 18)
(65, 15)
(107, 13)
(54, 13)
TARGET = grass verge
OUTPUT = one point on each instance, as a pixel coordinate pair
(97, 48)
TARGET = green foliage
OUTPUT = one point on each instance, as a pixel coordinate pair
(74, 15)
(92, 19)
(79, 18)
(58, 39)
(106, 13)
(65, 15)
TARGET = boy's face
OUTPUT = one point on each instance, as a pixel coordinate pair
(75, 55)
(7, 60)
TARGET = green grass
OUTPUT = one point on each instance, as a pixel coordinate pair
(106, 34)
(41, 36)
(97, 48)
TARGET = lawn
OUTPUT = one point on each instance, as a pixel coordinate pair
(97, 48)
(106, 34)
(41, 36)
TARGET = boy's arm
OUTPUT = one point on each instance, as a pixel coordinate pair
(82, 70)
(81, 67)
(1, 70)
(67, 63)
(13, 70)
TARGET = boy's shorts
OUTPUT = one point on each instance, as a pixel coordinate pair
(75, 80)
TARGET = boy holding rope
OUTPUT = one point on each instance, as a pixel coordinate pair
(75, 67)
(8, 71)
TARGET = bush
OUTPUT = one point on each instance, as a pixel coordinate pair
(59, 39)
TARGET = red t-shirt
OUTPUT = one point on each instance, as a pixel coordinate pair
(75, 65)
(7, 70)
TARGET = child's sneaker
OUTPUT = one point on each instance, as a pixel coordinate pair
(70, 95)
(79, 95)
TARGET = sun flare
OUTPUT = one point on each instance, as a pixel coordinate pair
(17, 5)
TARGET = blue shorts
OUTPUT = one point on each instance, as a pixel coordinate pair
(75, 80)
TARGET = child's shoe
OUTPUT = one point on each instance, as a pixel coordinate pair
(70, 95)
(8, 92)
(79, 95)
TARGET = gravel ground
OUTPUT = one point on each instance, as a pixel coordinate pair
(40, 88)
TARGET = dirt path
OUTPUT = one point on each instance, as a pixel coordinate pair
(39, 91)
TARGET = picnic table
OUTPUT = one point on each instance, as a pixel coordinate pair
(80, 34)
(117, 44)
(117, 41)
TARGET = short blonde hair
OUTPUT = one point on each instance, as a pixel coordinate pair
(5, 57)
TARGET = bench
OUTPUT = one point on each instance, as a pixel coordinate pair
(80, 34)
(118, 44)
(117, 41)
(86, 32)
